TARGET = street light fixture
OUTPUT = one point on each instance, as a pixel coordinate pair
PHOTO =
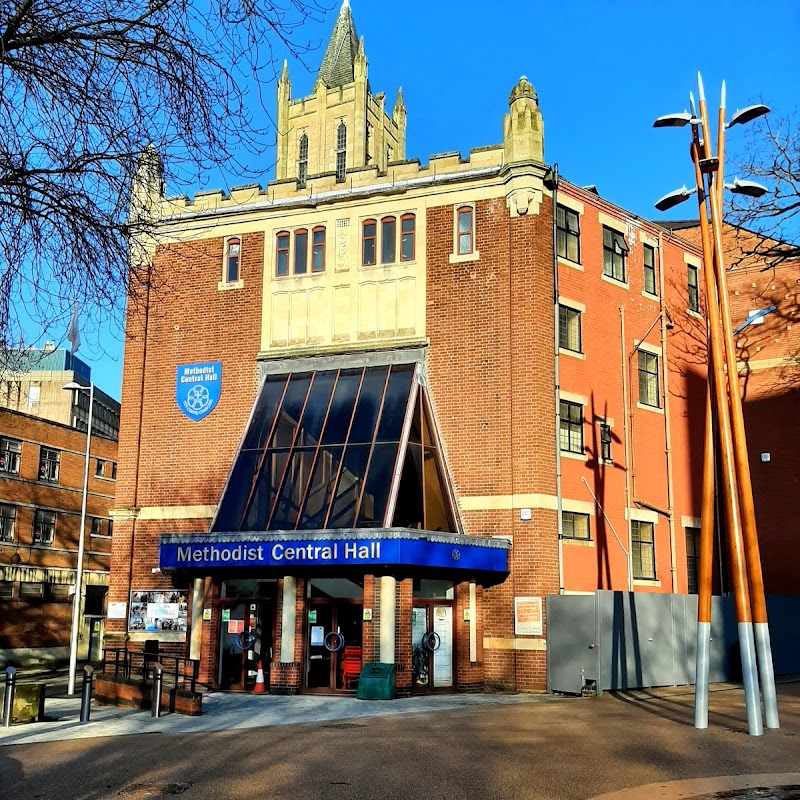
(748, 115)
(749, 188)
(678, 120)
(674, 198)
(73, 386)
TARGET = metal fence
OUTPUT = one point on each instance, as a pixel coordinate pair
(626, 640)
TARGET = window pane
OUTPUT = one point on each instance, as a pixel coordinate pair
(363, 427)
(378, 484)
(320, 489)
(573, 253)
(464, 243)
(407, 243)
(387, 240)
(465, 221)
(354, 465)
(300, 253)
(341, 411)
(282, 255)
(408, 512)
(395, 404)
(368, 253)
(318, 253)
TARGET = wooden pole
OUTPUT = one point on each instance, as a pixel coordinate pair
(729, 482)
(746, 503)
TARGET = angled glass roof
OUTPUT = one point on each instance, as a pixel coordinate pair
(333, 449)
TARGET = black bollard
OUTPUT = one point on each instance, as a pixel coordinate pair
(158, 681)
(86, 692)
(8, 699)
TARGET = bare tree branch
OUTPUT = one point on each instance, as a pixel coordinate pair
(85, 87)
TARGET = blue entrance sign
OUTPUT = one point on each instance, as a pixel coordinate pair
(265, 550)
(197, 388)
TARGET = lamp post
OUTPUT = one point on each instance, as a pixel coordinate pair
(76, 600)
(724, 404)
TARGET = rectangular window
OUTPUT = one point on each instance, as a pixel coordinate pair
(233, 251)
(568, 234)
(6, 590)
(318, 250)
(574, 526)
(301, 251)
(605, 443)
(466, 230)
(569, 329)
(341, 152)
(694, 291)
(95, 600)
(302, 161)
(368, 243)
(388, 229)
(10, 450)
(48, 465)
(29, 590)
(643, 550)
(96, 526)
(110, 528)
(282, 254)
(692, 557)
(58, 592)
(8, 515)
(571, 430)
(113, 470)
(615, 250)
(100, 468)
(650, 269)
(649, 393)
(44, 527)
(407, 231)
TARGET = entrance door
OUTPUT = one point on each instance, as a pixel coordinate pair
(432, 646)
(245, 639)
(333, 637)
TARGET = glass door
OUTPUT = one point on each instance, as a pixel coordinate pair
(232, 656)
(333, 636)
(432, 640)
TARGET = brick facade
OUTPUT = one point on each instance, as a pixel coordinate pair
(37, 628)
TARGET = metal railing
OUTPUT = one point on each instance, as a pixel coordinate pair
(131, 664)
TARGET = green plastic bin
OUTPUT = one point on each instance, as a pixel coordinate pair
(377, 682)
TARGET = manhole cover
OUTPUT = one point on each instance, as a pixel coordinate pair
(147, 791)
(343, 726)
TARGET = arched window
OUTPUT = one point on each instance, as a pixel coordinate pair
(300, 251)
(341, 152)
(302, 161)
(466, 230)
(282, 253)
(232, 253)
(388, 235)
(368, 243)
(407, 234)
(318, 249)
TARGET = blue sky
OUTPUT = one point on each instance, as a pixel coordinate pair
(603, 72)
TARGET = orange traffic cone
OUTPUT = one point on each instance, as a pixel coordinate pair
(260, 687)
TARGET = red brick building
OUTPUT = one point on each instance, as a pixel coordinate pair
(385, 409)
(41, 484)
(764, 288)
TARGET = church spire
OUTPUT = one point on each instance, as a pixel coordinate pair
(337, 64)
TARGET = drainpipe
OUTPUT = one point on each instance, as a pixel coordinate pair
(557, 393)
(673, 567)
(625, 404)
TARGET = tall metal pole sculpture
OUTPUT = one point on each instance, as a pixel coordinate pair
(724, 410)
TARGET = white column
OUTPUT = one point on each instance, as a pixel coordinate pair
(388, 618)
(288, 619)
(473, 624)
(198, 596)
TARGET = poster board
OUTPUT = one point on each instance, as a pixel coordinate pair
(528, 616)
(158, 610)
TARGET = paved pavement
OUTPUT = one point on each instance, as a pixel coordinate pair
(631, 746)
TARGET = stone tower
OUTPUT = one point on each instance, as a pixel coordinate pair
(341, 126)
(523, 128)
